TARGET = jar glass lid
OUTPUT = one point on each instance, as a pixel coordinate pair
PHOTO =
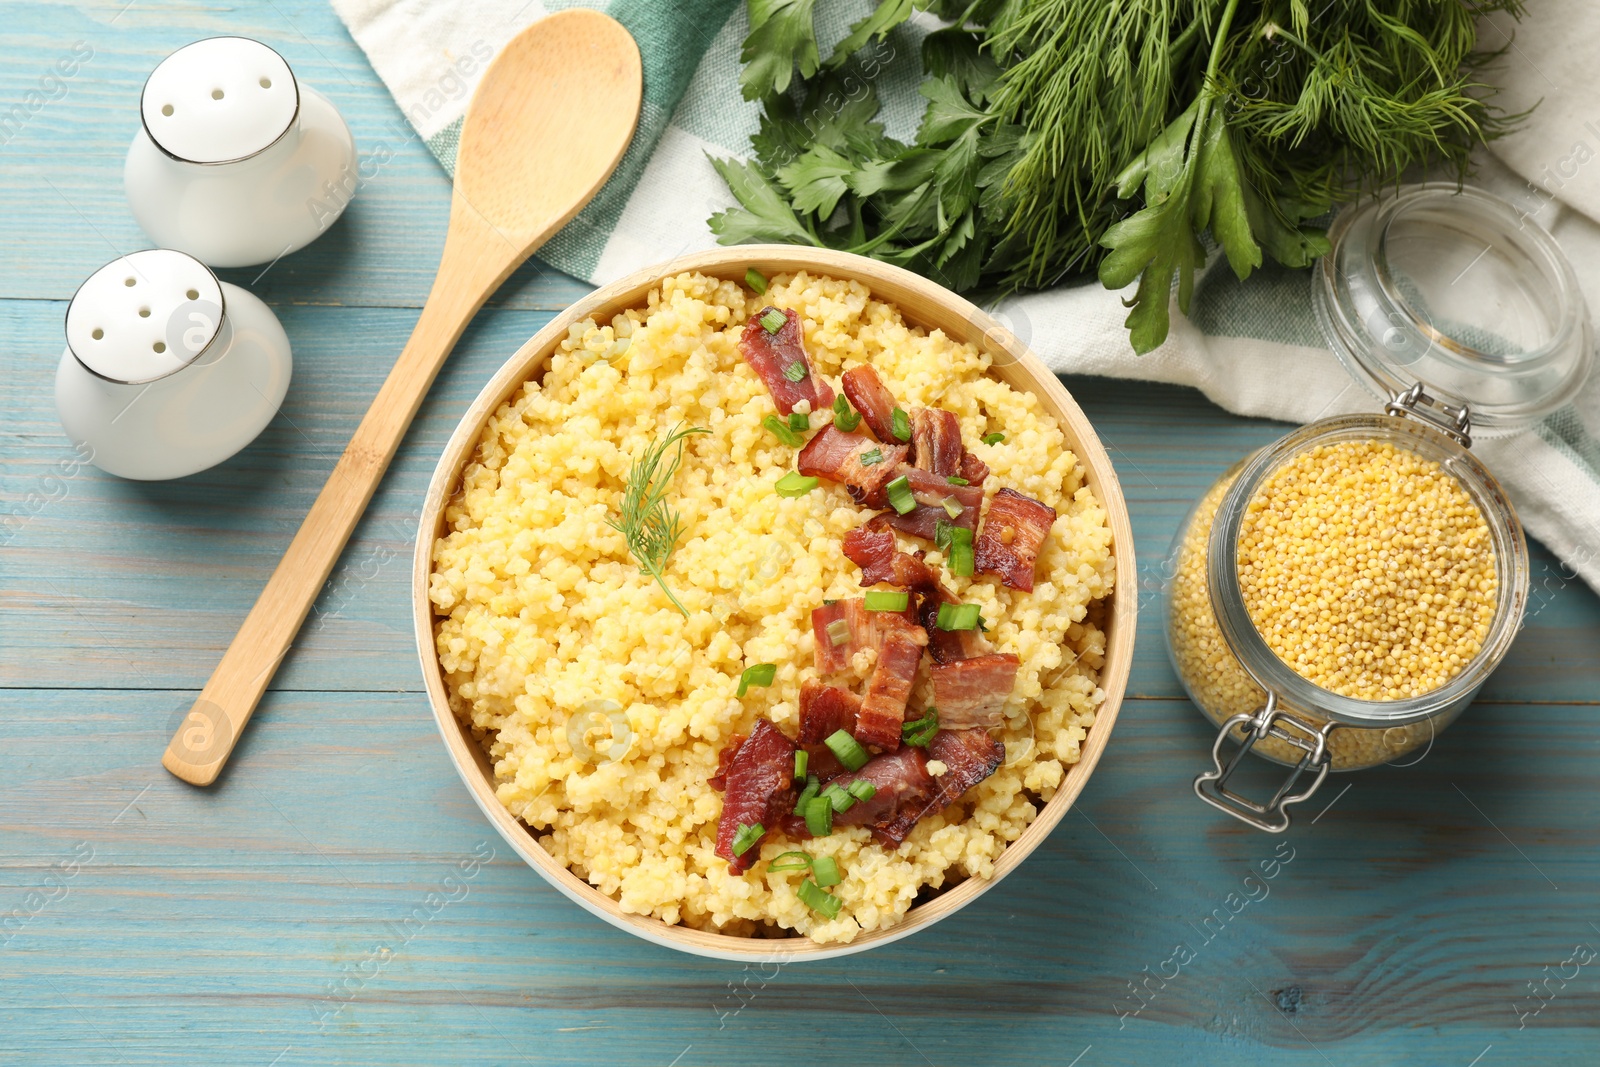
(1451, 288)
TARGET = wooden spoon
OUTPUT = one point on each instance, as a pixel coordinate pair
(546, 127)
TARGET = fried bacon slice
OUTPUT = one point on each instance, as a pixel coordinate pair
(771, 354)
(969, 756)
(872, 398)
(1013, 530)
(936, 441)
(867, 629)
(883, 709)
(905, 792)
(825, 709)
(757, 783)
(860, 464)
(875, 553)
(930, 492)
(973, 469)
(973, 692)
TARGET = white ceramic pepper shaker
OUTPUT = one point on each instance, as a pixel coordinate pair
(237, 162)
(168, 370)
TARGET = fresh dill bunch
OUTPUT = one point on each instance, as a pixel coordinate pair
(645, 520)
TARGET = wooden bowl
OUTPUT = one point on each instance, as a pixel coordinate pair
(923, 304)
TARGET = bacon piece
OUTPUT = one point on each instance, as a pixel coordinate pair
(883, 710)
(973, 469)
(1013, 530)
(757, 788)
(905, 792)
(973, 692)
(872, 398)
(875, 553)
(770, 354)
(825, 709)
(936, 441)
(724, 759)
(831, 658)
(868, 629)
(837, 456)
(969, 756)
(930, 492)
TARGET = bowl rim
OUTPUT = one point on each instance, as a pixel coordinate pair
(891, 284)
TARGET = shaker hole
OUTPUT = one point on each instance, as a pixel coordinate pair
(216, 94)
(166, 109)
(160, 346)
(193, 294)
(98, 334)
(144, 313)
(266, 83)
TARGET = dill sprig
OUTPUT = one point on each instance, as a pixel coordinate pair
(646, 522)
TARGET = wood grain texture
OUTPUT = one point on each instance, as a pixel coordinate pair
(275, 916)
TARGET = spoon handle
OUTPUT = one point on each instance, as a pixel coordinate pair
(476, 260)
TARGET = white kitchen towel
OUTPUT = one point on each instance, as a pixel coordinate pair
(1251, 347)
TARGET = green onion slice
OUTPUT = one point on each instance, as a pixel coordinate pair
(887, 600)
(760, 674)
(900, 496)
(847, 748)
(952, 507)
(861, 789)
(772, 320)
(799, 421)
(918, 732)
(953, 480)
(900, 424)
(818, 899)
(756, 280)
(871, 456)
(961, 558)
(813, 786)
(836, 795)
(825, 870)
(790, 861)
(747, 835)
(958, 617)
(781, 431)
(795, 484)
(801, 759)
(843, 417)
(993, 438)
(795, 372)
(838, 632)
(819, 816)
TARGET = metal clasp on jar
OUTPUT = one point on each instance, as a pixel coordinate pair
(1270, 721)
(1415, 403)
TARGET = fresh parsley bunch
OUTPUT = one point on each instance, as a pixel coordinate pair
(1063, 137)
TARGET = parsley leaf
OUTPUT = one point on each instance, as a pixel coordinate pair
(782, 37)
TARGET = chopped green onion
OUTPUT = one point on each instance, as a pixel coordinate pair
(813, 786)
(871, 456)
(801, 759)
(953, 480)
(790, 861)
(958, 616)
(900, 424)
(781, 431)
(825, 869)
(961, 558)
(799, 421)
(834, 794)
(952, 507)
(918, 732)
(887, 600)
(861, 789)
(795, 372)
(941, 533)
(819, 816)
(747, 835)
(847, 748)
(993, 438)
(760, 674)
(795, 484)
(819, 900)
(838, 632)
(772, 320)
(900, 496)
(843, 417)
(756, 280)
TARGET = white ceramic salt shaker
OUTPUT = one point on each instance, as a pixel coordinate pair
(168, 370)
(237, 162)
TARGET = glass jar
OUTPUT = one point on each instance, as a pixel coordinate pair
(1464, 318)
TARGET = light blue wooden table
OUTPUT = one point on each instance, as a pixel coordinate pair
(289, 915)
